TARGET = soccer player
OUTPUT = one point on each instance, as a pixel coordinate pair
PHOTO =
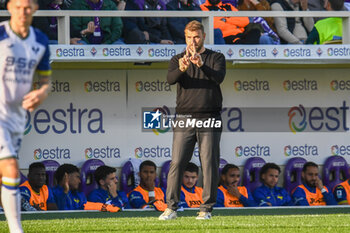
(107, 193)
(198, 73)
(68, 197)
(269, 194)
(191, 195)
(312, 192)
(146, 194)
(342, 193)
(229, 193)
(35, 192)
(66, 192)
(23, 50)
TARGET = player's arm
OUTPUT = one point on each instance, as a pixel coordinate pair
(328, 196)
(217, 72)
(25, 197)
(260, 198)
(248, 202)
(183, 202)
(287, 198)
(34, 98)
(220, 199)
(136, 200)
(174, 72)
(51, 204)
(299, 197)
(340, 195)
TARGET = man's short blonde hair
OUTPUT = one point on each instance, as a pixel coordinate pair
(194, 26)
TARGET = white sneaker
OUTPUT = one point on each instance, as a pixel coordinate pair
(203, 215)
(168, 214)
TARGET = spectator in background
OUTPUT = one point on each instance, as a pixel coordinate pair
(146, 194)
(312, 192)
(292, 30)
(176, 25)
(330, 28)
(229, 193)
(36, 195)
(48, 25)
(107, 193)
(3, 6)
(269, 35)
(232, 28)
(191, 195)
(138, 30)
(95, 30)
(269, 194)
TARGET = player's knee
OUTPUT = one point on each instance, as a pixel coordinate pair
(9, 168)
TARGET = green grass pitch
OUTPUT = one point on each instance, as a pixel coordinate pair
(221, 222)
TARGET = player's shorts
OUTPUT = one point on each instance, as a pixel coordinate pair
(9, 143)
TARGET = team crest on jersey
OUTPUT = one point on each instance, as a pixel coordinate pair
(35, 49)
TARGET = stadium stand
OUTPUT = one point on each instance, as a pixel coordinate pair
(335, 171)
(251, 173)
(292, 173)
(129, 178)
(23, 178)
(222, 164)
(88, 182)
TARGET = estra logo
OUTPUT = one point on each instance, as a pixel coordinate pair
(254, 85)
(56, 86)
(340, 150)
(51, 153)
(152, 86)
(152, 152)
(300, 85)
(252, 151)
(72, 120)
(338, 52)
(298, 52)
(71, 52)
(318, 119)
(102, 152)
(340, 85)
(102, 86)
(300, 150)
(250, 53)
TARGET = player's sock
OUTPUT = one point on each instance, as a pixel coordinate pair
(11, 202)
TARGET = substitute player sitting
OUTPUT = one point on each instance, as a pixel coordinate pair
(342, 193)
(268, 194)
(229, 193)
(36, 195)
(107, 192)
(146, 194)
(191, 195)
(312, 192)
(23, 50)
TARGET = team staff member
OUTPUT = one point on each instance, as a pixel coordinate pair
(107, 192)
(35, 192)
(198, 73)
(312, 192)
(229, 193)
(268, 194)
(146, 194)
(23, 50)
(191, 195)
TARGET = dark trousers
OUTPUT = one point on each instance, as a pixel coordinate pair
(184, 141)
